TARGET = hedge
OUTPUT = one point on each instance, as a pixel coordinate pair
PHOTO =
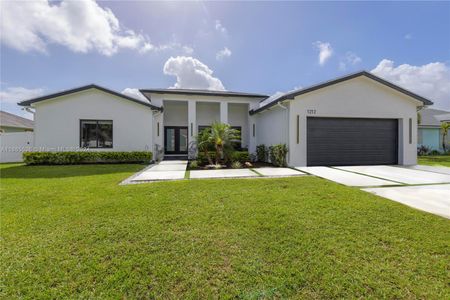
(240, 156)
(86, 157)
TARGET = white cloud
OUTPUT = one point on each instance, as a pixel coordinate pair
(219, 27)
(408, 36)
(191, 74)
(134, 93)
(325, 51)
(81, 26)
(351, 59)
(188, 50)
(431, 80)
(277, 95)
(225, 52)
(17, 94)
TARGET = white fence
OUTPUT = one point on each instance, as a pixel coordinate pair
(13, 144)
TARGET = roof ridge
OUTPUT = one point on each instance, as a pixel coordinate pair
(83, 88)
(323, 84)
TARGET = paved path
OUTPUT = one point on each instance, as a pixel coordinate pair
(430, 193)
(225, 173)
(434, 199)
(436, 169)
(398, 174)
(165, 170)
(345, 178)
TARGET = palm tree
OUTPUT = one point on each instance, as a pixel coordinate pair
(204, 142)
(222, 137)
(219, 136)
(444, 127)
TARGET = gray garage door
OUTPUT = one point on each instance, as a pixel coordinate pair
(342, 141)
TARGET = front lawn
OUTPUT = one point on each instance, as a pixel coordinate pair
(73, 232)
(435, 160)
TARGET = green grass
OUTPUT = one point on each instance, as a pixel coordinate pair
(73, 232)
(438, 160)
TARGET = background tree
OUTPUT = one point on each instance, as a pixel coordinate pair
(444, 127)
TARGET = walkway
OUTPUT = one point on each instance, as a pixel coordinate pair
(423, 187)
(176, 170)
(165, 170)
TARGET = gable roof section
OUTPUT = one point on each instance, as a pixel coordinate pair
(433, 117)
(84, 88)
(10, 120)
(292, 95)
(199, 93)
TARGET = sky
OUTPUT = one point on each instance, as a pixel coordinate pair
(261, 47)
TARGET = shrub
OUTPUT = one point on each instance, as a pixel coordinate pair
(240, 156)
(86, 157)
(236, 165)
(423, 150)
(193, 164)
(261, 153)
(278, 155)
(435, 152)
(203, 160)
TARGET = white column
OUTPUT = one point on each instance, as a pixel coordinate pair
(192, 119)
(224, 112)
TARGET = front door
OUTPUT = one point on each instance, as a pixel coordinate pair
(175, 140)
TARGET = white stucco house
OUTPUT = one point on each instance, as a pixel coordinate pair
(356, 119)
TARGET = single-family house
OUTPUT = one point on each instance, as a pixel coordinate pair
(13, 123)
(430, 132)
(356, 119)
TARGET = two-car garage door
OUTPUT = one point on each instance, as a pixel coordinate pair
(351, 141)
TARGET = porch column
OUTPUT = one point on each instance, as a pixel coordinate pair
(192, 120)
(224, 112)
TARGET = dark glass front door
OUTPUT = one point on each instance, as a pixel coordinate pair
(175, 140)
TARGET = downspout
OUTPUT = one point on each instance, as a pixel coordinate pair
(287, 128)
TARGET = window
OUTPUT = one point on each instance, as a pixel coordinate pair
(298, 129)
(201, 128)
(410, 130)
(238, 144)
(96, 134)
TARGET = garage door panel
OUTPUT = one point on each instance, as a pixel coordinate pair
(349, 141)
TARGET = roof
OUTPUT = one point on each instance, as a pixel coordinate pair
(10, 120)
(293, 94)
(83, 88)
(433, 117)
(200, 92)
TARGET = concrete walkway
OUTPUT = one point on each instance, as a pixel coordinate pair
(398, 174)
(430, 193)
(165, 170)
(176, 170)
(434, 199)
(346, 178)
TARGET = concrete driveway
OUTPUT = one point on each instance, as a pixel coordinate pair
(422, 187)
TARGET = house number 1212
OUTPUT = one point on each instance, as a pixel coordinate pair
(311, 111)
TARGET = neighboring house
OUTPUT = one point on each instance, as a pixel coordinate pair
(13, 123)
(430, 132)
(356, 119)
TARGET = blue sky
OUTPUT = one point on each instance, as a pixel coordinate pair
(264, 47)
